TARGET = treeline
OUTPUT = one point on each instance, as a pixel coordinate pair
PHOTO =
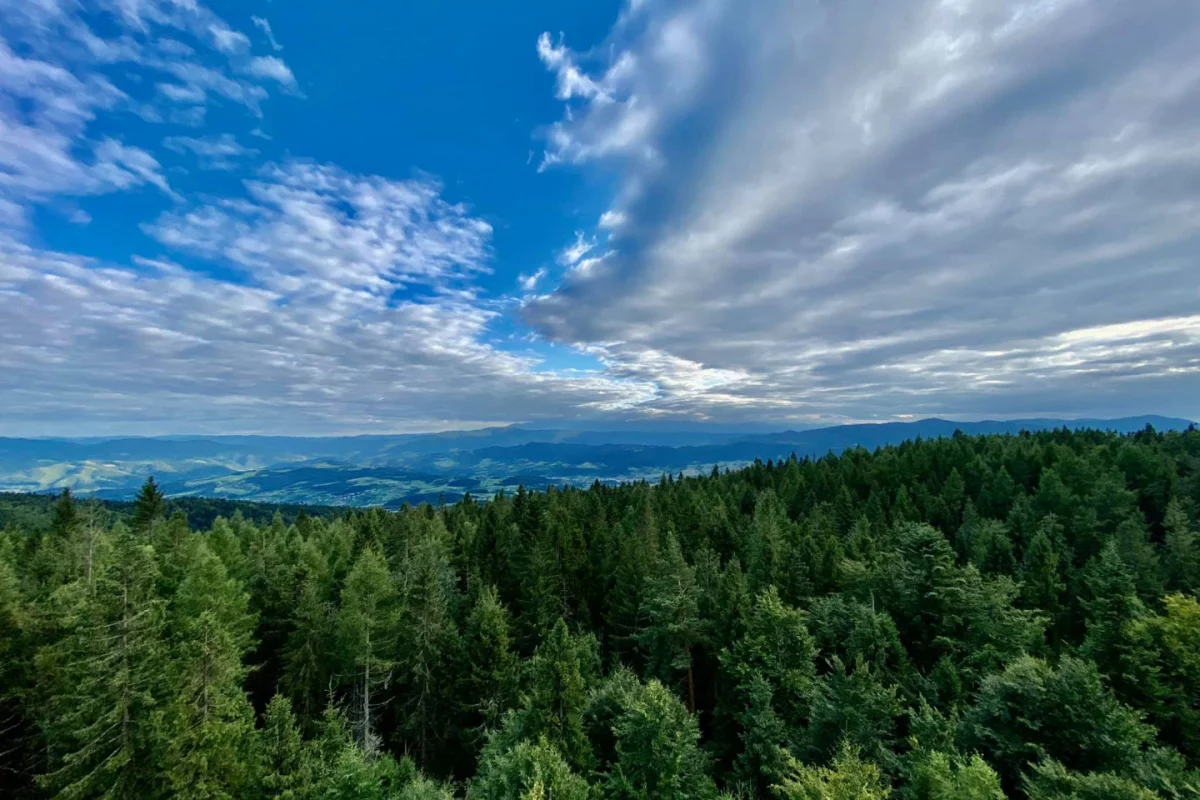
(970, 617)
(34, 512)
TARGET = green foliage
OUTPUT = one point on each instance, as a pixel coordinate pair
(848, 777)
(529, 770)
(935, 775)
(970, 617)
(1033, 710)
(1050, 780)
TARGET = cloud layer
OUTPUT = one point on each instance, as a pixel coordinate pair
(346, 315)
(821, 211)
(866, 210)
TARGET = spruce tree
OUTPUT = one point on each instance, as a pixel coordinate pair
(366, 630)
(672, 624)
(149, 506)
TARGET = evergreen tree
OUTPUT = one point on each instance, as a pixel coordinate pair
(366, 630)
(429, 639)
(287, 770)
(1181, 560)
(104, 682)
(209, 741)
(557, 695)
(672, 625)
(847, 778)
(149, 506)
(493, 670)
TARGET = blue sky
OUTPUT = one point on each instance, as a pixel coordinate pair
(311, 217)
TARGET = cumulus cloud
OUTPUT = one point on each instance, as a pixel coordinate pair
(353, 311)
(865, 210)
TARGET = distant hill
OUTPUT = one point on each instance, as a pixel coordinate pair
(390, 470)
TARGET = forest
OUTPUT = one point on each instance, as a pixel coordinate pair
(960, 618)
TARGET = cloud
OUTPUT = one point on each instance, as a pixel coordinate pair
(353, 310)
(928, 207)
(271, 68)
(529, 282)
(265, 26)
(221, 152)
(575, 251)
(58, 76)
(227, 40)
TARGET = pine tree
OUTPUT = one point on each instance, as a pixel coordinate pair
(428, 637)
(1112, 605)
(366, 630)
(671, 618)
(558, 695)
(66, 517)
(104, 682)
(209, 743)
(1181, 561)
(848, 777)
(656, 752)
(492, 668)
(307, 655)
(286, 769)
(527, 770)
(149, 506)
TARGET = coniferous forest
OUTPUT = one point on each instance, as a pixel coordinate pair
(959, 618)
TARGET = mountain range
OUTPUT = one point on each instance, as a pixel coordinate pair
(390, 470)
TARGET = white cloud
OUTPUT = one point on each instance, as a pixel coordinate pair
(227, 40)
(869, 210)
(529, 282)
(271, 68)
(610, 220)
(222, 152)
(265, 26)
(572, 253)
(354, 311)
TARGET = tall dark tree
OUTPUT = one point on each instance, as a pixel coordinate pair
(149, 506)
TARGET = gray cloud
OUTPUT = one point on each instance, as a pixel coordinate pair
(866, 210)
(352, 311)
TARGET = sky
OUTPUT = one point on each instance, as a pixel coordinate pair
(309, 217)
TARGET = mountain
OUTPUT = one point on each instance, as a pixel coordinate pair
(389, 470)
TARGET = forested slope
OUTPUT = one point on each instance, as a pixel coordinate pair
(968, 617)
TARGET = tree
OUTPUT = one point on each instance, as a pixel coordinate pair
(935, 775)
(553, 709)
(528, 770)
(1049, 780)
(1032, 710)
(650, 744)
(428, 636)
(287, 768)
(209, 741)
(308, 651)
(671, 619)
(148, 506)
(1111, 606)
(492, 669)
(848, 777)
(366, 630)
(66, 517)
(104, 682)
(852, 705)
(1181, 560)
